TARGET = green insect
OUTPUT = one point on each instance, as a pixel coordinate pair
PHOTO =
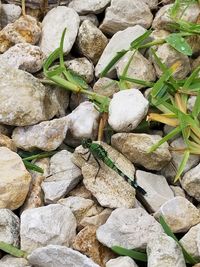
(99, 153)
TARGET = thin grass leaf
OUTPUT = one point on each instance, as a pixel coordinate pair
(182, 165)
(61, 54)
(39, 156)
(123, 84)
(136, 255)
(12, 250)
(188, 258)
(191, 78)
(137, 81)
(196, 108)
(33, 167)
(138, 41)
(179, 43)
(49, 61)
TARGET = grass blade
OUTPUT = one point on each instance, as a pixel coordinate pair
(40, 155)
(181, 167)
(131, 253)
(196, 108)
(179, 43)
(141, 82)
(12, 250)
(137, 42)
(33, 167)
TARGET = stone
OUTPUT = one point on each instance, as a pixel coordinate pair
(7, 142)
(178, 191)
(54, 255)
(15, 180)
(123, 14)
(91, 41)
(84, 121)
(180, 214)
(47, 135)
(157, 188)
(169, 56)
(93, 18)
(10, 261)
(5, 129)
(53, 25)
(89, 6)
(137, 224)
(124, 261)
(27, 100)
(9, 14)
(53, 224)
(9, 230)
(26, 29)
(64, 176)
(23, 56)
(106, 86)
(87, 243)
(80, 191)
(135, 147)
(83, 67)
(164, 251)
(119, 41)
(191, 182)
(153, 4)
(127, 109)
(108, 187)
(140, 68)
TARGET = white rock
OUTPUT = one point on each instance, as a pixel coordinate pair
(91, 41)
(123, 14)
(121, 40)
(164, 251)
(157, 188)
(23, 56)
(93, 18)
(10, 261)
(178, 191)
(54, 256)
(9, 230)
(127, 109)
(47, 135)
(89, 6)
(151, 3)
(64, 176)
(136, 224)
(15, 180)
(53, 224)
(180, 214)
(9, 14)
(121, 262)
(106, 86)
(84, 121)
(53, 25)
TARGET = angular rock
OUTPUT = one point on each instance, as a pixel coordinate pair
(53, 224)
(10, 261)
(106, 86)
(180, 214)
(121, 40)
(15, 180)
(135, 147)
(47, 135)
(53, 25)
(53, 255)
(151, 3)
(178, 191)
(91, 41)
(137, 224)
(93, 18)
(63, 177)
(89, 6)
(7, 142)
(9, 14)
(123, 14)
(164, 251)
(80, 191)
(9, 230)
(23, 56)
(124, 261)
(110, 189)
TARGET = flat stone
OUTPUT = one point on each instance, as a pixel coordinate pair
(135, 147)
(106, 86)
(53, 25)
(15, 180)
(137, 224)
(180, 214)
(10, 261)
(9, 14)
(89, 6)
(123, 14)
(64, 176)
(53, 255)
(124, 261)
(53, 224)
(7, 142)
(119, 41)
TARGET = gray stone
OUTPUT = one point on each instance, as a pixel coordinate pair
(53, 224)
(151, 3)
(89, 6)
(9, 14)
(93, 18)
(124, 261)
(106, 86)
(63, 177)
(10, 261)
(178, 191)
(136, 224)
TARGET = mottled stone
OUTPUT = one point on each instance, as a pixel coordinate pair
(124, 261)
(10, 261)
(106, 86)
(9, 14)
(7, 142)
(89, 6)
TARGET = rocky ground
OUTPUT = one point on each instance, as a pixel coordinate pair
(70, 212)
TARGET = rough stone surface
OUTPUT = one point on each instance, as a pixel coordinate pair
(110, 189)
(123, 14)
(53, 25)
(164, 251)
(135, 148)
(89, 6)
(137, 224)
(63, 177)
(124, 261)
(127, 109)
(9, 14)
(47, 135)
(178, 191)
(10, 261)
(91, 41)
(54, 224)
(106, 86)
(15, 180)
(7, 142)
(23, 56)
(80, 191)
(180, 214)
(53, 255)
(121, 40)
(93, 18)
(9, 227)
